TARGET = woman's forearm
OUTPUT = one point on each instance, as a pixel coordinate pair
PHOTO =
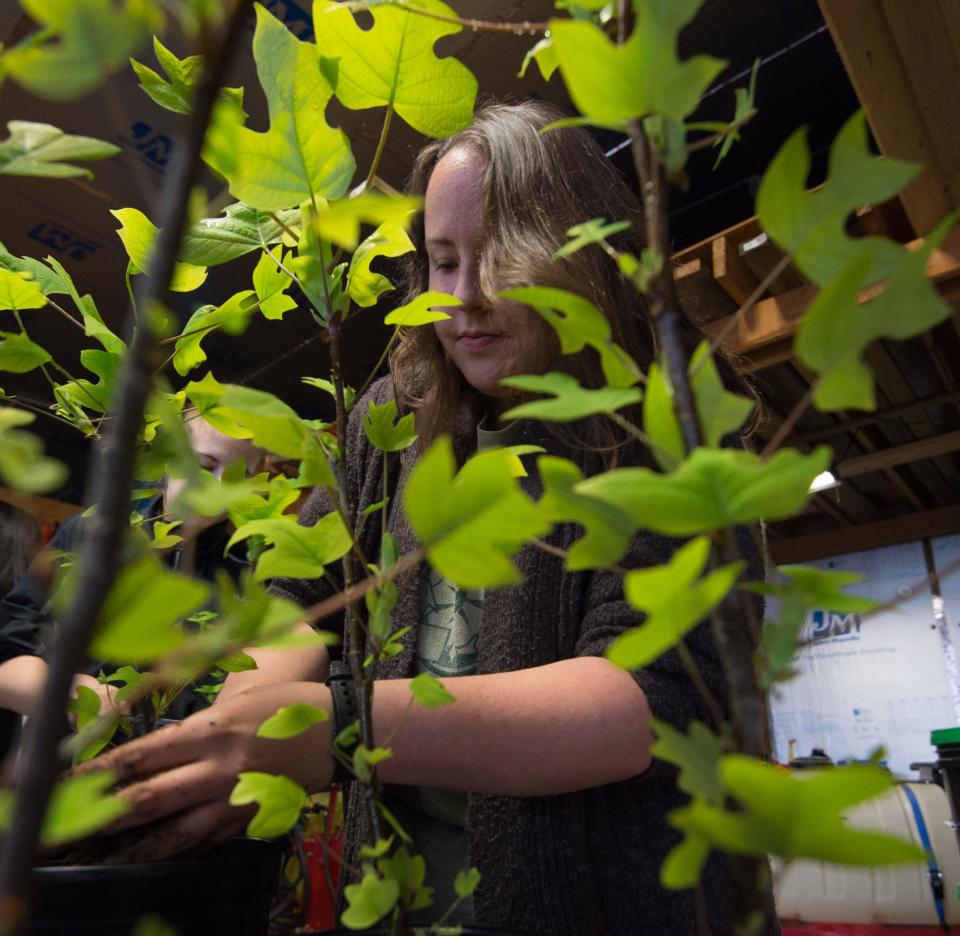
(551, 729)
(21, 682)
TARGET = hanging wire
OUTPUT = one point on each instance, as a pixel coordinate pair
(738, 76)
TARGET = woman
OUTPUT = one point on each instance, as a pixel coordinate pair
(564, 812)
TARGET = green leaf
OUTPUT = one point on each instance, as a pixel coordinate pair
(80, 806)
(369, 901)
(292, 720)
(279, 799)
(365, 759)
(281, 493)
(682, 866)
(162, 537)
(321, 383)
(608, 530)
(743, 109)
(385, 431)
(473, 520)
(150, 924)
(18, 291)
(177, 94)
(393, 64)
(812, 223)
(23, 466)
(806, 589)
(89, 39)
(429, 691)
(674, 598)
(364, 286)
(545, 55)
(836, 330)
(570, 400)
(381, 848)
(660, 421)
(421, 310)
(339, 222)
(797, 814)
(239, 662)
(139, 621)
(240, 230)
(712, 489)
(594, 231)
(37, 149)
(410, 872)
(465, 883)
(301, 156)
(138, 234)
(233, 317)
(298, 552)
(579, 324)
(270, 283)
(721, 412)
(614, 84)
(19, 355)
(697, 754)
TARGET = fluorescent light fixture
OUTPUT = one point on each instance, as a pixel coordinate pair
(824, 482)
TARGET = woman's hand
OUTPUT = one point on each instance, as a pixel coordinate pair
(181, 777)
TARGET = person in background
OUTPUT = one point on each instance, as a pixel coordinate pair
(25, 616)
(20, 541)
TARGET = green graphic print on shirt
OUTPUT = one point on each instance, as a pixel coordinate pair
(449, 632)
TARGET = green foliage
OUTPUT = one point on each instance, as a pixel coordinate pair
(240, 230)
(608, 530)
(300, 552)
(796, 814)
(812, 223)
(807, 588)
(339, 222)
(88, 39)
(85, 708)
(594, 231)
(674, 598)
(279, 799)
(23, 466)
(743, 109)
(422, 311)
(720, 412)
(466, 882)
(138, 235)
(615, 84)
(364, 286)
(301, 156)
(697, 754)
(579, 324)
(232, 316)
(409, 871)
(270, 283)
(473, 520)
(712, 489)
(836, 330)
(660, 421)
(569, 401)
(79, 807)
(385, 431)
(366, 759)
(139, 620)
(37, 149)
(369, 901)
(393, 64)
(292, 720)
(176, 94)
(19, 291)
(544, 54)
(429, 691)
(19, 355)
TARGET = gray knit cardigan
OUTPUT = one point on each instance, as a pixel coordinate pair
(581, 863)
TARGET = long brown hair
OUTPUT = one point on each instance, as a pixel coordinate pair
(536, 186)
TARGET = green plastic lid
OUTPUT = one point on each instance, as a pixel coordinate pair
(945, 736)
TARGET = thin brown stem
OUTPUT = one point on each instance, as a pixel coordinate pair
(478, 25)
(708, 141)
(283, 226)
(786, 427)
(59, 308)
(750, 302)
(693, 671)
(376, 367)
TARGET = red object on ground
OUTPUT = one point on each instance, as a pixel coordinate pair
(322, 906)
(856, 929)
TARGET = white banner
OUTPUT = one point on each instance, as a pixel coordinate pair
(884, 680)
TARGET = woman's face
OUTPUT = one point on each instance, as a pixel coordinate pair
(485, 343)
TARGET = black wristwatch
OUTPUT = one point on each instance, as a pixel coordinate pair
(345, 723)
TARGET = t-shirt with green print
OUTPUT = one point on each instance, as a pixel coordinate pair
(448, 641)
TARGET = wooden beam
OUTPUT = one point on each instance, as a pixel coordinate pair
(867, 536)
(899, 455)
(730, 271)
(777, 317)
(867, 44)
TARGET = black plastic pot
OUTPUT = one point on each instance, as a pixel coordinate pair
(225, 893)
